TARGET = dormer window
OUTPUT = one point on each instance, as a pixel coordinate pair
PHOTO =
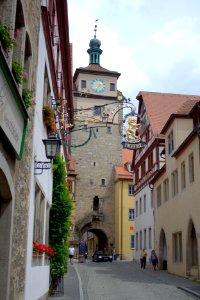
(112, 87)
(83, 84)
(170, 140)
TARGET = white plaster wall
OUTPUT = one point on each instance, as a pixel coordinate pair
(37, 277)
(144, 221)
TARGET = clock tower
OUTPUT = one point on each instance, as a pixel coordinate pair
(96, 151)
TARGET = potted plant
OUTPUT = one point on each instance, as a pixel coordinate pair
(27, 96)
(19, 72)
(49, 120)
(7, 41)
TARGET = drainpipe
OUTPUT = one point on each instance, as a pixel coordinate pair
(121, 216)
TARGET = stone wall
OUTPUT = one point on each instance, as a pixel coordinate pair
(95, 161)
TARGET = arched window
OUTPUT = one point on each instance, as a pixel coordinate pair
(96, 203)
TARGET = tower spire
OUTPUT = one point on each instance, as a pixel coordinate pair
(95, 29)
(94, 51)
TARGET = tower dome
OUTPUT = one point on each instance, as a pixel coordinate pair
(94, 51)
(95, 43)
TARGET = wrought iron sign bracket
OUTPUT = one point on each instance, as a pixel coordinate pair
(42, 165)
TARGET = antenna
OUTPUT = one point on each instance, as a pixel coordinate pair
(95, 28)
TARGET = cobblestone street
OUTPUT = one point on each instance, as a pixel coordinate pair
(123, 281)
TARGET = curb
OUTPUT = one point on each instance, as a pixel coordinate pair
(189, 291)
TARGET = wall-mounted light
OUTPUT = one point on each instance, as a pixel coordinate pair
(52, 145)
(151, 186)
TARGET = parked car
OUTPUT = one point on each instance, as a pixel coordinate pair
(101, 256)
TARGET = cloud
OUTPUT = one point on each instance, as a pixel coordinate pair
(155, 48)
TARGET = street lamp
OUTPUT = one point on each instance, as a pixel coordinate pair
(52, 145)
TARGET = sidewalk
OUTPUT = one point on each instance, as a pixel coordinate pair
(72, 291)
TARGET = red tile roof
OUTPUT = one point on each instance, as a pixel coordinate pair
(159, 107)
(127, 155)
(95, 69)
(182, 111)
(122, 173)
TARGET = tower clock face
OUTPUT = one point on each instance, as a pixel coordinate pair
(98, 85)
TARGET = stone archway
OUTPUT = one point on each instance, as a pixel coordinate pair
(162, 251)
(192, 251)
(5, 232)
(95, 238)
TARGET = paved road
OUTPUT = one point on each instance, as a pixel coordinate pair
(126, 281)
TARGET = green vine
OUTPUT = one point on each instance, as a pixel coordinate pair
(59, 219)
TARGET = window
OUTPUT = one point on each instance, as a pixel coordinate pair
(183, 181)
(174, 183)
(97, 110)
(143, 169)
(140, 206)
(103, 182)
(191, 168)
(131, 214)
(177, 247)
(140, 240)
(47, 90)
(130, 189)
(112, 87)
(166, 189)
(150, 238)
(136, 241)
(70, 185)
(170, 140)
(136, 208)
(136, 175)
(150, 161)
(144, 202)
(132, 241)
(159, 196)
(83, 84)
(145, 238)
(47, 224)
(96, 203)
(38, 229)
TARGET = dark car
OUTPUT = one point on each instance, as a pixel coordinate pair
(101, 256)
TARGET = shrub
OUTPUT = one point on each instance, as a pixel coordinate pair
(59, 218)
(27, 96)
(19, 73)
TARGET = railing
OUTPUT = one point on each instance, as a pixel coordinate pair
(56, 286)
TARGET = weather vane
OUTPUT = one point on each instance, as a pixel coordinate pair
(95, 28)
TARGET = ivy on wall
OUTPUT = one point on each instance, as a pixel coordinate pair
(59, 218)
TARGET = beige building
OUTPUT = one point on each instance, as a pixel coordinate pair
(124, 208)
(176, 194)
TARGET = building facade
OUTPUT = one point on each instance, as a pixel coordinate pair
(154, 109)
(37, 61)
(176, 194)
(124, 209)
(96, 148)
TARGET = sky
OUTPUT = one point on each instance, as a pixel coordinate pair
(154, 44)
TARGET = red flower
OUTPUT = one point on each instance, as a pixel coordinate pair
(42, 248)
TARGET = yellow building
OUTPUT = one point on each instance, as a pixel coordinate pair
(176, 194)
(124, 209)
